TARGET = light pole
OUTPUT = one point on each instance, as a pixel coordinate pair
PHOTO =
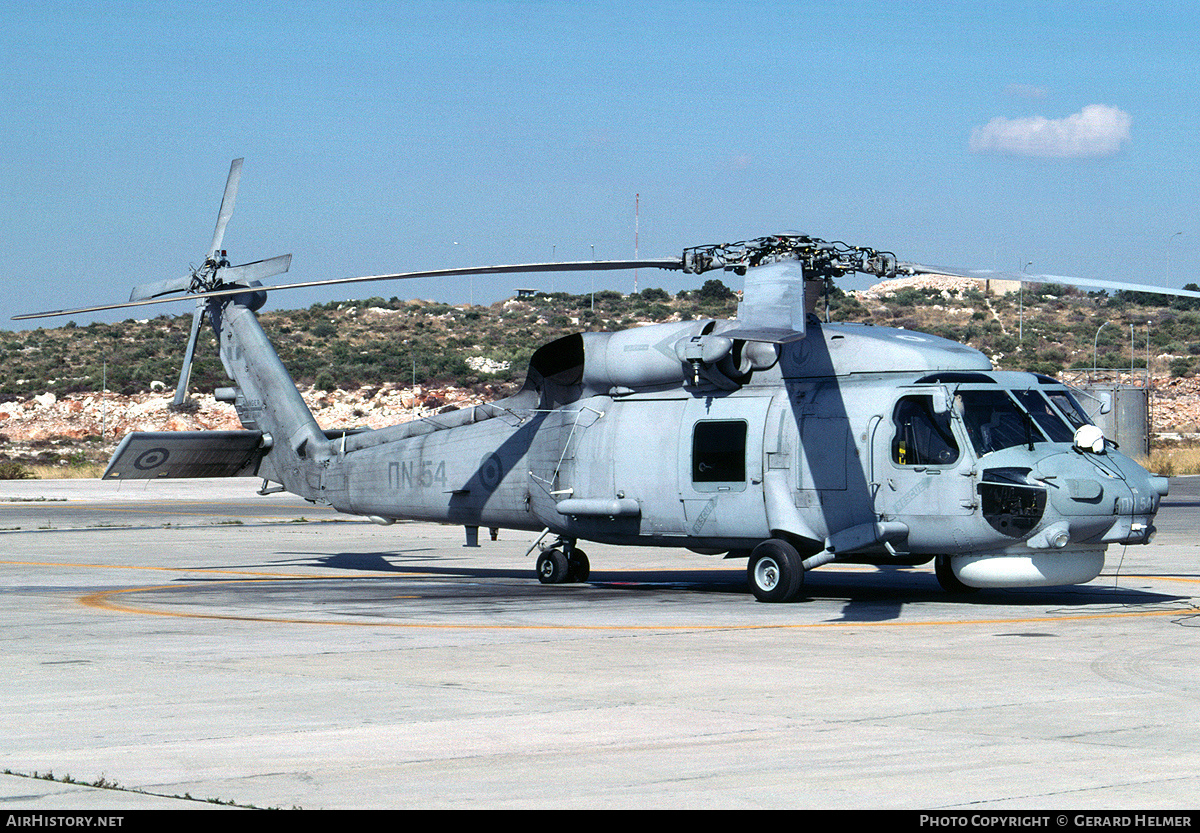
(1021, 304)
(1095, 345)
(1148, 324)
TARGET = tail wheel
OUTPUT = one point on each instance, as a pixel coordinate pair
(775, 572)
(552, 566)
(951, 583)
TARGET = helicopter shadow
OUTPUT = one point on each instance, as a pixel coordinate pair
(887, 594)
(407, 562)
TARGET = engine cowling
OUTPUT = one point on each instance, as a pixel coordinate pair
(688, 353)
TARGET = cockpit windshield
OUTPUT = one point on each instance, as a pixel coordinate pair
(994, 422)
(1070, 407)
(1050, 422)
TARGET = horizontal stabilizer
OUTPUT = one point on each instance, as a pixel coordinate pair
(145, 455)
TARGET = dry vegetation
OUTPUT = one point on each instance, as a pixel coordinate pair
(1174, 458)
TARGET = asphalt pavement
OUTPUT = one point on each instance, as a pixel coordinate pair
(192, 644)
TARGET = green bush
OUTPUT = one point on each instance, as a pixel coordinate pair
(12, 470)
(715, 291)
(1181, 367)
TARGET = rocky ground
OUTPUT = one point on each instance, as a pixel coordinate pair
(46, 429)
(1175, 405)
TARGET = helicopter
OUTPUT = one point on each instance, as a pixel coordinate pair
(776, 437)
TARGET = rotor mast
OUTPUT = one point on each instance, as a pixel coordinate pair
(822, 261)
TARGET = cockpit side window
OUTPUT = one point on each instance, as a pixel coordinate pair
(1050, 422)
(994, 421)
(1069, 407)
(923, 438)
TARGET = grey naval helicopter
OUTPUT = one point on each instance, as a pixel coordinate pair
(773, 437)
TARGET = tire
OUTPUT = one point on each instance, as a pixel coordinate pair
(578, 566)
(552, 567)
(775, 572)
(950, 582)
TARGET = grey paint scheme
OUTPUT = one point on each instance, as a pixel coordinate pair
(597, 446)
(770, 436)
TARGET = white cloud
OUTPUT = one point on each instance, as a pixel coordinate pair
(1096, 130)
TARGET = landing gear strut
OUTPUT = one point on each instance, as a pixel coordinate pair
(563, 562)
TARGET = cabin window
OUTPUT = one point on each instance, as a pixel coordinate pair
(923, 438)
(719, 455)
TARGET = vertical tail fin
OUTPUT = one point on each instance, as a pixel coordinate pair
(267, 399)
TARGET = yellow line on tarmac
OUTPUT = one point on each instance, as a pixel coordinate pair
(166, 569)
(170, 513)
(104, 600)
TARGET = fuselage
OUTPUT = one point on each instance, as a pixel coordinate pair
(859, 443)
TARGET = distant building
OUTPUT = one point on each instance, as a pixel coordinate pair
(988, 286)
(995, 286)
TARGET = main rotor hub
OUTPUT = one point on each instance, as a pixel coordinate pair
(822, 260)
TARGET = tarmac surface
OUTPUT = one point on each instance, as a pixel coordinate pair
(176, 644)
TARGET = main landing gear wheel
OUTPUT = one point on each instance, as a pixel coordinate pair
(552, 566)
(950, 582)
(578, 566)
(560, 564)
(775, 571)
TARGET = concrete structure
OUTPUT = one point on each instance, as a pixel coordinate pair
(1128, 420)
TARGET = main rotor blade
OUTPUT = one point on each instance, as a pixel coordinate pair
(991, 274)
(570, 266)
(231, 186)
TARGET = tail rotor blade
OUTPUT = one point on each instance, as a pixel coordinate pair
(231, 186)
(256, 271)
(185, 373)
(152, 290)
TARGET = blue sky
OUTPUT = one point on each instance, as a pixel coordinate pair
(384, 137)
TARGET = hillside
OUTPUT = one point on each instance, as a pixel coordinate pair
(376, 362)
(336, 345)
